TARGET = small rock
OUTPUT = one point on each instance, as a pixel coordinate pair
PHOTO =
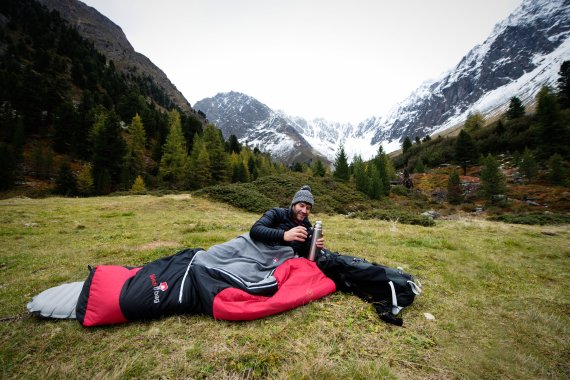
(429, 317)
(431, 214)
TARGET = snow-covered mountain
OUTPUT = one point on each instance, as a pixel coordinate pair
(256, 125)
(523, 53)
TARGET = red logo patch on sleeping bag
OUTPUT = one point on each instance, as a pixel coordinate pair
(157, 288)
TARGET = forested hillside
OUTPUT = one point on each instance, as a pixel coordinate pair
(71, 123)
(529, 147)
(544, 131)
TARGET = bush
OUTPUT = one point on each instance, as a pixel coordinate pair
(331, 195)
(533, 218)
(401, 190)
(243, 195)
(454, 189)
(65, 183)
(395, 215)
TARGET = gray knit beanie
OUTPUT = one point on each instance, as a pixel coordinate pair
(303, 195)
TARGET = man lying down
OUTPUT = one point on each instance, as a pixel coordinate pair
(257, 274)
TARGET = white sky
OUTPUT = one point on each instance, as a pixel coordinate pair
(344, 60)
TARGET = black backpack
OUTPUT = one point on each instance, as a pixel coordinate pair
(388, 289)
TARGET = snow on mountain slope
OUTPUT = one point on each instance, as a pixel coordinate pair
(523, 53)
(256, 125)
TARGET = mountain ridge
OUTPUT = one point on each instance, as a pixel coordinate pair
(255, 124)
(523, 53)
(110, 40)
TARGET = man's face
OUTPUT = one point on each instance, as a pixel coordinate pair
(300, 211)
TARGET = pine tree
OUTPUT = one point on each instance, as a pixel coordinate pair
(201, 170)
(65, 183)
(406, 145)
(454, 190)
(109, 150)
(252, 167)
(219, 159)
(375, 187)
(239, 170)
(233, 145)
(360, 177)
(138, 186)
(528, 165)
(564, 85)
(319, 169)
(241, 173)
(137, 144)
(419, 167)
(174, 161)
(341, 165)
(85, 181)
(64, 127)
(556, 171)
(500, 128)
(385, 169)
(516, 108)
(492, 180)
(465, 150)
(7, 166)
(553, 134)
(263, 165)
(474, 121)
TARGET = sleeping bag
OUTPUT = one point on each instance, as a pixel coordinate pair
(238, 280)
(241, 279)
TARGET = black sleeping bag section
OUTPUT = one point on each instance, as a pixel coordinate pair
(115, 294)
(161, 288)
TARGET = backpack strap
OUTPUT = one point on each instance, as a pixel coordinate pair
(416, 288)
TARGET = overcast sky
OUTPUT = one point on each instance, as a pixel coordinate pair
(344, 60)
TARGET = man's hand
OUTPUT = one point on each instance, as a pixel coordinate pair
(298, 233)
(321, 243)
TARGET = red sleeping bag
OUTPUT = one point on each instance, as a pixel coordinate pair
(300, 282)
(172, 285)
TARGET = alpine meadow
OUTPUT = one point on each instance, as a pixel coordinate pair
(495, 290)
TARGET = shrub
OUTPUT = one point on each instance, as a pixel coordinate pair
(395, 215)
(454, 189)
(243, 195)
(331, 195)
(85, 181)
(533, 218)
(65, 183)
(557, 172)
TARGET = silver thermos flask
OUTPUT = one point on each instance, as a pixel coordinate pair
(317, 232)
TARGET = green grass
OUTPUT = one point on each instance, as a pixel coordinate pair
(499, 293)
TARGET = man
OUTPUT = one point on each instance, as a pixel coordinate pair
(289, 226)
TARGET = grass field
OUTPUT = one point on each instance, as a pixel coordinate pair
(500, 295)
